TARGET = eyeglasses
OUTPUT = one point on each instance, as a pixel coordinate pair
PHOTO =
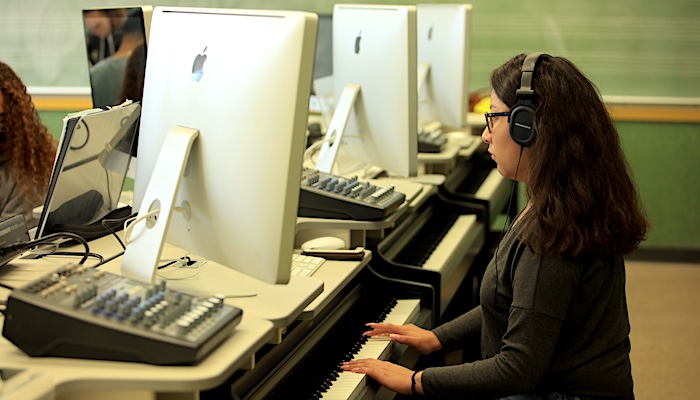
(490, 116)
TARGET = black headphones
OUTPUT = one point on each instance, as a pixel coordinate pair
(522, 114)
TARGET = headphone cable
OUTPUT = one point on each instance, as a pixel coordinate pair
(503, 231)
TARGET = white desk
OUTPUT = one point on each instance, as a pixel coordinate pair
(335, 275)
(74, 379)
(26, 385)
(467, 152)
(438, 163)
(279, 304)
(265, 316)
(78, 379)
(213, 278)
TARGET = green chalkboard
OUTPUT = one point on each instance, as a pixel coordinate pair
(627, 47)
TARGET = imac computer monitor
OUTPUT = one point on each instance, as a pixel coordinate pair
(444, 43)
(374, 84)
(242, 80)
(323, 60)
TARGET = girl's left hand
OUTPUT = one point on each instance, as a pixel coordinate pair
(392, 376)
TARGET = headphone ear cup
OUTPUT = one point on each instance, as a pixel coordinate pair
(522, 124)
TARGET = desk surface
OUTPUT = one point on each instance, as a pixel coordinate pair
(213, 278)
(72, 375)
(265, 316)
(335, 275)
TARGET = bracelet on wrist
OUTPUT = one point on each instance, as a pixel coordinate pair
(413, 383)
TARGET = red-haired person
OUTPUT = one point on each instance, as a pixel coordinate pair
(27, 150)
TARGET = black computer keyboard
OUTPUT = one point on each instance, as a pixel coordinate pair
(13, 231)
(324, 195)
(82, 312)
(431, 141)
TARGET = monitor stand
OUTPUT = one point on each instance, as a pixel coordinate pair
(426, 120)
(423, 71)
(334, 134)
(148, 231)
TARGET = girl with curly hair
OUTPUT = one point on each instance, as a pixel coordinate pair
(27, 150)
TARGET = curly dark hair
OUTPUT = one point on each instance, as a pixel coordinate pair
(28, 147)
(584, 200)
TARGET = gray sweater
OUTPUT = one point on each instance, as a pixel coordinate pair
(11, 198)
(545, 324)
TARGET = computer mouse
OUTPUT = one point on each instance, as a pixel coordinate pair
(462, 139)
(324, 243)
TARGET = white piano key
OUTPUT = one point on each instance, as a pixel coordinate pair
(493, 183)
(451, 248)
(348, 385)
(496, 189)
(351, 385)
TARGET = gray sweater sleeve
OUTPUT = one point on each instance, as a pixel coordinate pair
(461, 331)
(11, 199)
(517, 368)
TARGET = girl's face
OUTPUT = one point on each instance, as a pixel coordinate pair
(504, 151)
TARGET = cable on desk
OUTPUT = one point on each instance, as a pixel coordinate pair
(99, 257)
(105, 261)
(50, 240)
(184, 262)
(105, 224)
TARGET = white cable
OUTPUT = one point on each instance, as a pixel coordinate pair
(315, 146)
(130, 222)
(309, 152)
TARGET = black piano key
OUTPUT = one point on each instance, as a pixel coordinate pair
(421, 246)
(315, 374)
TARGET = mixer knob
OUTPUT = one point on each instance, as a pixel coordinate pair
(183, 327)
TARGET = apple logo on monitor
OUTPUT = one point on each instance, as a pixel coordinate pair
(198, 66)
(357, 42)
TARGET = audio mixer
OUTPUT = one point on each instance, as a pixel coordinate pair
(325, 195)
(81, 312)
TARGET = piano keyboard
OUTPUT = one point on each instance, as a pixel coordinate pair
(496, 189)
(319, 376)
(420, 247)
(351, 385)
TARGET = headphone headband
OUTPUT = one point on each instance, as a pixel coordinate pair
(522, 115)
(528, 70)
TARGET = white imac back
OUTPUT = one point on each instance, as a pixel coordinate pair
(243, 79)
(375, 47)
(444, 41)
